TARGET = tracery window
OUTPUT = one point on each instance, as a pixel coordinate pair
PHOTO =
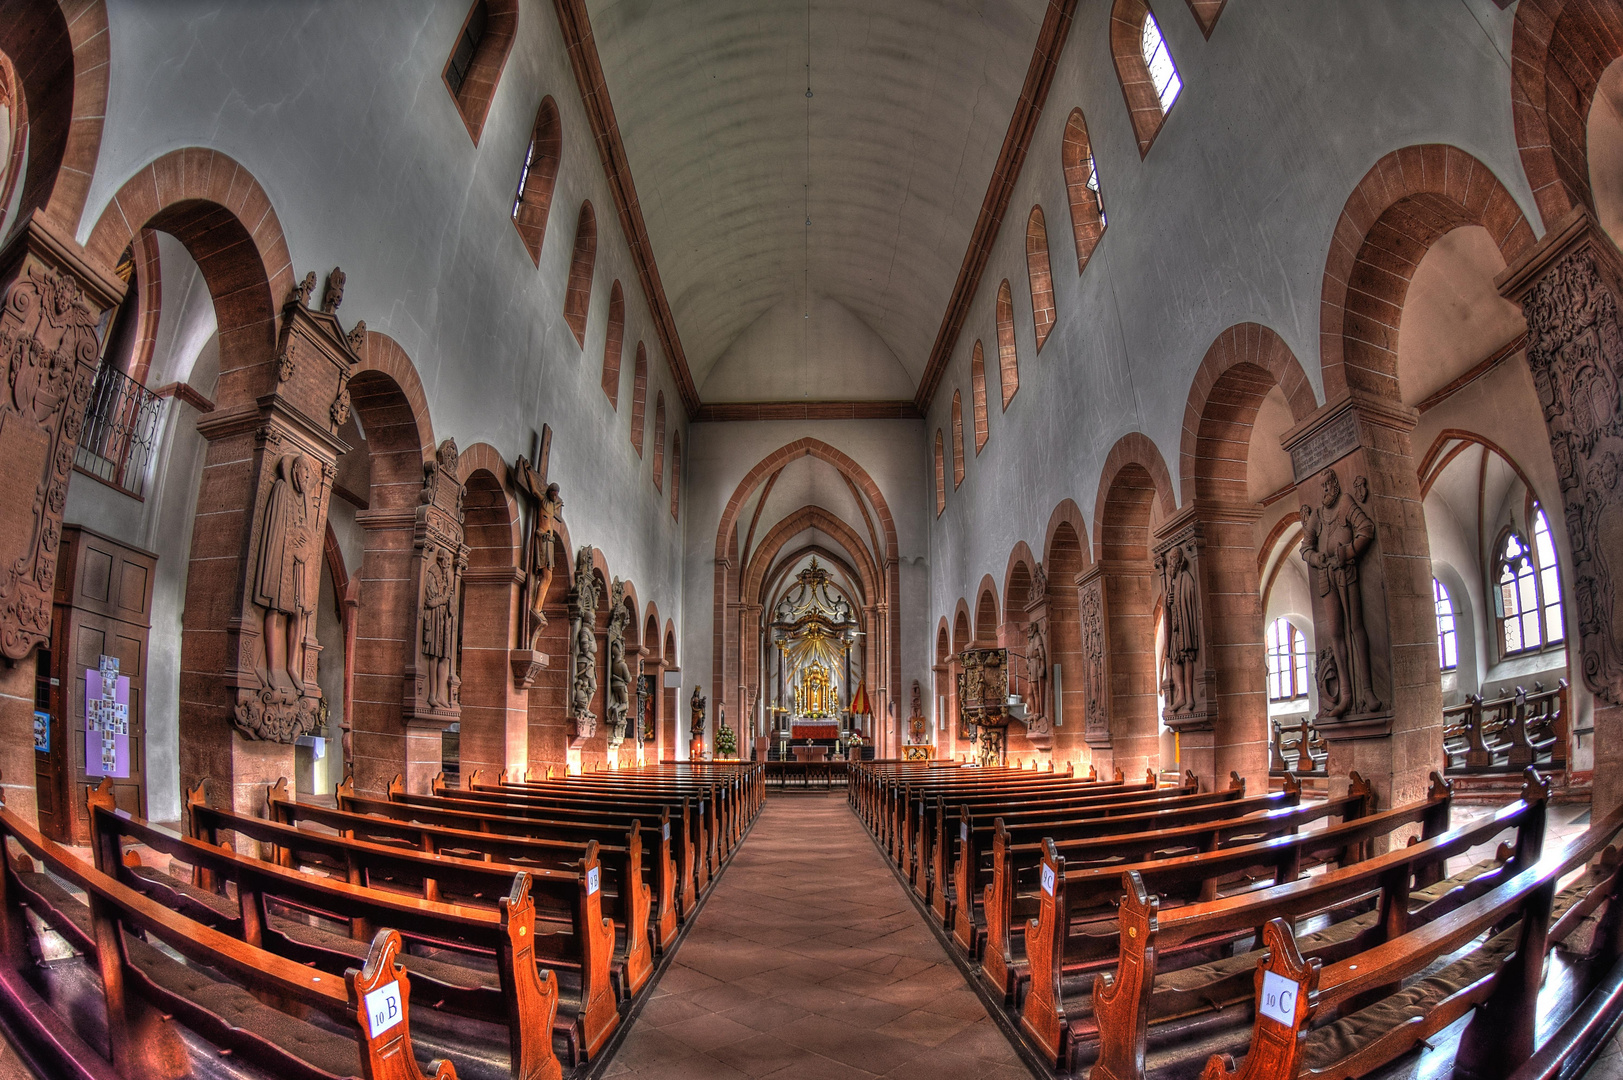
(1448, 638)
(1287, 661)
(1528, 592)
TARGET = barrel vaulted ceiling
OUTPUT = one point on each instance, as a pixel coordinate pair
(889, 159)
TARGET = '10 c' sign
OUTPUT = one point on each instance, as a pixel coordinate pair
(1278, 998)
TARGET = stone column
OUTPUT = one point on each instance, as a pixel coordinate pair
(1188, 676)
(272, 462)
(495, 727)
(1568, 287)
(1369, 572)
(54, 299)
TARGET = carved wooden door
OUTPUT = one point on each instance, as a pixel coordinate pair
(104, 608)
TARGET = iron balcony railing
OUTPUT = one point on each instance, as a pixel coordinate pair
(120, 431)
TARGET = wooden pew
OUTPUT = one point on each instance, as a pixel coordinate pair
(677, 828)
(1524, 915)
(497, 799)
(624, 862)
(274, 905)
(972, 874)
(1369, 901)
(219, 991)
(1201, 856)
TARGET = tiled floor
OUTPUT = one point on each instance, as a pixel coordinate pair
(808, 961)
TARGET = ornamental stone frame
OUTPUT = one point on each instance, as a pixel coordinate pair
(52, 297)
(1569, 287)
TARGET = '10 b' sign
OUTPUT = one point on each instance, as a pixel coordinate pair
(383, 1009)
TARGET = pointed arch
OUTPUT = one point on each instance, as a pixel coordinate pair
(659, 441)
(639, 398)
(533, 203)
(578, 297)
(1040, 276)
(1082, 186)
(614, 345)
(957, 440)
(1147, 106)
(1008, 362)
(474, 68)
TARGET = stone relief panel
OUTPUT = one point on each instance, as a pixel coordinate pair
(50, 350)
(433, 686)
(618, 704)
(583, 646)
(1095, 660)
(1186, 669)
(296, 450)
(1575, 351)
(1338, 545)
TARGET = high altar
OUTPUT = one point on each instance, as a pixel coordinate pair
(813, 630)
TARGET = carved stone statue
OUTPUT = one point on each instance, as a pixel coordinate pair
(1182, 623)
(1037, 669)
(439, 627)
(583, 645)
(619, 700)
(302, 291)
(1334, 540)
(279, 581)
(335, 292)
(696, 709)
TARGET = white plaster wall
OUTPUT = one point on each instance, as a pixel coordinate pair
(721, 455)
(341, 114)
(1227, 219)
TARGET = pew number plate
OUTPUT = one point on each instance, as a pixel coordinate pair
(665, 830)
(1279, 998)
(963, 830)
(591, 881)
(1048, 880)
(383, 1010)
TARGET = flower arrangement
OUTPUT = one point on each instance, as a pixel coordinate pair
(726, 742)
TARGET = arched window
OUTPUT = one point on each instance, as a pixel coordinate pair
(659, 441)
(1448, 638)
(1082, 185)
(1149, 78)
(977, 393)
(614, 345)
(676, 476)
(1528, 595)
(1007, 362)
(533, 200)
(578, 297)
(957, 440)
(477, 58)
(1287, 661)
(1041, 278)
(940, 474)
(639, 398)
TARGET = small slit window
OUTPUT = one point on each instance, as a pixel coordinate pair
(578, 297)
(613, 345)
(1158, 59)
(467, 44)
(1082, 188)
(977, 386)
(1007, 362)
(940, 474)
(957, 440)
(1040, 276)
(477, 58)
(659, 442)
(639, 398)
(532, 200)
(676, 477)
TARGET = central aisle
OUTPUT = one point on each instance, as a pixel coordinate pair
(809, 962)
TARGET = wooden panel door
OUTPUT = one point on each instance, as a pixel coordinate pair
(104, 607)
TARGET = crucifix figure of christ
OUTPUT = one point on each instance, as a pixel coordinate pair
(542, 551)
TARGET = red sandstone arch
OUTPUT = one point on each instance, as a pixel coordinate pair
(986, 610)
(1406, 201)
(1067, 514)
(785, 562)
(1558, 50)
(1023, 561)
(962, 634)
(1259, 359)
(60, 53)
(491, 610)
(1066, 557)
(943, 641)
(1132, 449)
(764, 558)
(650, 635)
(216, 208)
